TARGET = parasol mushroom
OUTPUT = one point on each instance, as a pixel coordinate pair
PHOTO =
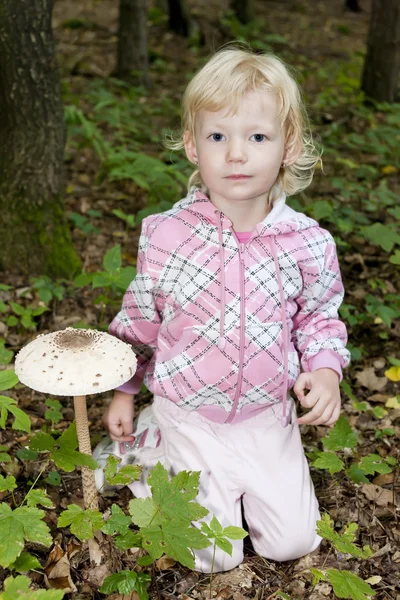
(77, 362)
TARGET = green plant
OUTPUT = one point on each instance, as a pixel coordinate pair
(115, 279)
(47, 289)
(18, 587)
(126, 582)
(345, 584)
(24, 315)
(340, 438)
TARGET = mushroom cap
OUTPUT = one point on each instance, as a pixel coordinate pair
(75, 362)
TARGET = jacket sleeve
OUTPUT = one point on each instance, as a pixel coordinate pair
(318, 334)
(138, 321)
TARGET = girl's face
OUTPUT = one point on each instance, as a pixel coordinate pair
(239, 156)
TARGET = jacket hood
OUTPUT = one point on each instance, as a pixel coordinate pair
(281, 219)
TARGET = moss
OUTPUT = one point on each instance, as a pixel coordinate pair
(35, 238)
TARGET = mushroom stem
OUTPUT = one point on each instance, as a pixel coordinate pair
(82, 430)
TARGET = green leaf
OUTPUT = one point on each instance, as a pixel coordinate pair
(215, 525)
(117, 523)
(153, 541)
(224, 544)
(381, 235)
(25, 562)
(373, 463)
(395, 258)
(112, 260)
(53, 413)
(144, 511)
(172, 498)
(83, 523)
(38, 496)
(53, 478)
(180, 539)
(7, 484)
(126, 582)
(6, 356)
(41, 442)
(24, 523)
(63, 450)
(234, 533)
(128, 540)
(317, 576)
(27, 454)
(347, 584)
(21, 422)
(7, 379)
(343, 543)
(124, 476)
(356, 474)
(340, 436)
(329, 461)
(18, 309)
(19, 588)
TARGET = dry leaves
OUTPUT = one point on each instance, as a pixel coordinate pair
(367, 378)
(379, 495)
(58, 570)
(241, 577)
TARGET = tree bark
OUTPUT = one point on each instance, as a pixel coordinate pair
(132, 51)
(179, 17)
(381, 73)
(353, 5)
(244, 10)
(34, 234)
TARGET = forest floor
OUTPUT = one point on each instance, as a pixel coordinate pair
(319, 32)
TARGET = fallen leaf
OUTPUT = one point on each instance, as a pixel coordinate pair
(97, 575)
(382, 551)
(241, 577)
(224, 593)
(368, 379)
(384, 478)
(165, 562)
(187, 582)
(374, 579)
(393, 402)
(382, 398)
(393, 373)
(58, 576)
(378, 494)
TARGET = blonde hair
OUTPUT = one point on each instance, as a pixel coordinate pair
(224, 80)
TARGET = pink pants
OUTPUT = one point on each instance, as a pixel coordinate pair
(256, 462)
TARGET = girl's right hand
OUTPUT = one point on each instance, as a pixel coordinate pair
(119, 417)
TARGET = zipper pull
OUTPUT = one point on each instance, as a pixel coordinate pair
(241, 252)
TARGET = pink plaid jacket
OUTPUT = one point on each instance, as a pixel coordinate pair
(222, 327)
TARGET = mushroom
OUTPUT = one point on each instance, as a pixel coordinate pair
(77, 362)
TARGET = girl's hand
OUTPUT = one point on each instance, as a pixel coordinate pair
(119, 417)
(323, 397)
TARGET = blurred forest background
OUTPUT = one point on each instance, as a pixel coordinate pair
(88, 91)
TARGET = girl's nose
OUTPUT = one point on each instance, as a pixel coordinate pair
(236, 152)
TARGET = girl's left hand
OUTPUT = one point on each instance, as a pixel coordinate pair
(323, 397)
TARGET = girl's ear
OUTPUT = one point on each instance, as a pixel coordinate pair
(190, 147)
(292, 152)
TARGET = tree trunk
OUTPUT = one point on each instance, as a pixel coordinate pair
(132, 51)
(33, 230)
(179, 17)
(380, 78)
(244, 10)
(353, 5)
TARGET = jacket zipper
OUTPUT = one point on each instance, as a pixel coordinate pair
(241, 334)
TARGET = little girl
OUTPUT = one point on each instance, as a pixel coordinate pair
(234, 291)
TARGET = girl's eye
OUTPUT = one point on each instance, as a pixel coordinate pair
(216, 137)
(259, 137)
